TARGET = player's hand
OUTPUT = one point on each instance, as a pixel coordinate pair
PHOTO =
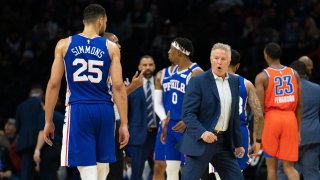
(209, 137)
(256, 147)
(164, 124)
(36, 156)
(123, 135)
(179, 127)
(137, 79)
(48, 133)
(239, 152)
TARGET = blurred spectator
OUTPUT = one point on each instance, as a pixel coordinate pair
(27, 116)
(46, 157)
(10, 133)
(6, 167)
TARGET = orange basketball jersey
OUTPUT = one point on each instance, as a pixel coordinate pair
(282, 91)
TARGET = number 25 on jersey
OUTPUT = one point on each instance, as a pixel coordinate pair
(92, 66)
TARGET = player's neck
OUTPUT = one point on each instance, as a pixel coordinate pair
(184, 64)
(90, 32)
(231, 70)
(275, 64)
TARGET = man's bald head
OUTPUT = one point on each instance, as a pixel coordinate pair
(112, 37)
(308, 62)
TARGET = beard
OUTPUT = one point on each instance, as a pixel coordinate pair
(148, 74)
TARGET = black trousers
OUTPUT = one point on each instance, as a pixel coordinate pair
(50, 161)
(116, 168)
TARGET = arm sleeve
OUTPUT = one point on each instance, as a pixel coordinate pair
(158, 104)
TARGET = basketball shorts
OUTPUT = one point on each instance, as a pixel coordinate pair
(245, 160)
(88, 135)
(172, 139)
(159, 150)
(280, 135)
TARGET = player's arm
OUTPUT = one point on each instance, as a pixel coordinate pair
(39, 145)
(261, 83)
(298, 111)
(196, 71)
(53, 88)
(158, 104)
(119, 93)
(255, 106)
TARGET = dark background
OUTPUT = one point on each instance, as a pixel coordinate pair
(30, 29)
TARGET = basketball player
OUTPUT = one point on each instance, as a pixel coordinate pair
(116, 168)
(249, 97)
(159, 152)
(174, 89)
(88, 132)
(279, 92)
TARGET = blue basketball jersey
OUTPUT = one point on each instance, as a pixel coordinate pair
(174, 90)
(243, 97)
(166, 75)
(87, 64)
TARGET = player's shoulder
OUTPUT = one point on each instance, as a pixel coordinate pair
(262, 76)
(64, 42)
(112, 48)
(247, 82)
(160, 72)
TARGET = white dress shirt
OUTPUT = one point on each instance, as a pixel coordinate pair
(225, 102)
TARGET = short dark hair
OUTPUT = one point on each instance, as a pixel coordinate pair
(93, 12)
(273, 50)
(108, 35)
(300, 67)
(235, 57)
(146, 56)
(185, 44)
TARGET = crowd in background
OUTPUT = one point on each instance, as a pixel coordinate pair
(29, 30)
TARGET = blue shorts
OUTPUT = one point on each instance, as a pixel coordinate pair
(159, 150)
(267, 155)
(245, 160)
(171, 141)
(88, 135)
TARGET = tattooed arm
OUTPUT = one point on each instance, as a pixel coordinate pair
(255, 106)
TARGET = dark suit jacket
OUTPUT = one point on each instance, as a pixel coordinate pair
(201, 111)
(137, 117)
(310, 124)
(27, 120)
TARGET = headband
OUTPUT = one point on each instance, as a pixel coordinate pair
(176, 45)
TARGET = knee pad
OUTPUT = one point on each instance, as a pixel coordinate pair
(103, 170)
(88, 172)
(172, 170)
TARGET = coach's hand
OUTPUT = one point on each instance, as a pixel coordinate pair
(137, 79)
(209, 137)
(239, 152)
(48, 132)
(179, 127)
(123, 135)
